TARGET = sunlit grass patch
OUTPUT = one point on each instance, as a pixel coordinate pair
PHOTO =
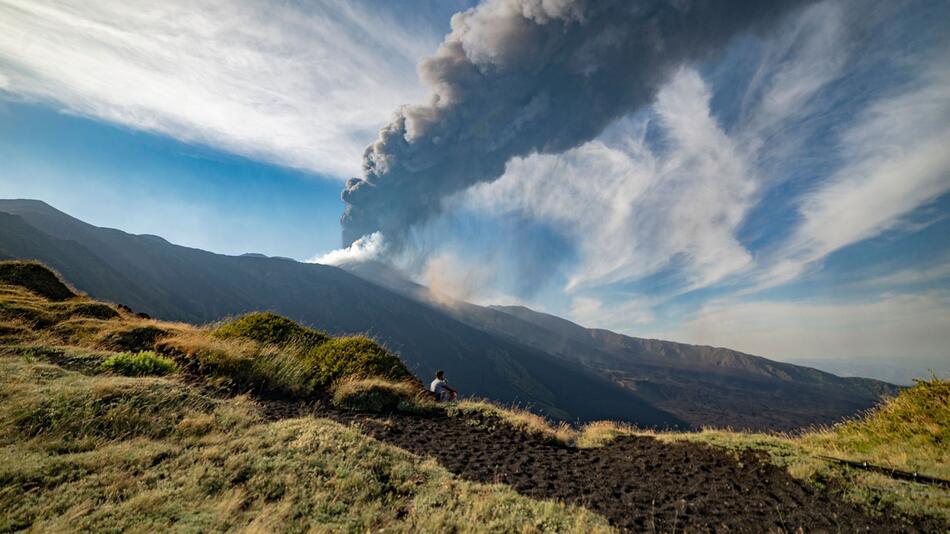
(379, 395)
(521, 420)
(355, 356)
(145, 363)
(266, 327)
(600, 433)
(910, 432)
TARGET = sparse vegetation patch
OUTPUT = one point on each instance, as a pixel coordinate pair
(521, 420)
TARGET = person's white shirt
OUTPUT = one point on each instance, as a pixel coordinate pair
(438, 387)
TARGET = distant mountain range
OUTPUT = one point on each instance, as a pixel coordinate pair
(509, 354)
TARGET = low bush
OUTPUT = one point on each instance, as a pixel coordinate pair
(36, 277)
(145, 363)
(356, 357)
(266, 327)
(242, 364)
(378, 395)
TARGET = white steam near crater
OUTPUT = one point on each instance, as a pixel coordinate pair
(366, 248)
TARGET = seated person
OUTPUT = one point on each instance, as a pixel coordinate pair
(443, 391)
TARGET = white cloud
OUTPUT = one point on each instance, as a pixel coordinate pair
(914, 326)
(367, 248)
(631, 211)
(905, 277)
(796, 64)
(300, 86)
(896, 160)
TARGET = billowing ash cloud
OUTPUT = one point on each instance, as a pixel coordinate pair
(521, 76)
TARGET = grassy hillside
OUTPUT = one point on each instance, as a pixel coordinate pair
(84, 448)
(112, 421)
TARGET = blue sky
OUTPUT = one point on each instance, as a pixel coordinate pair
(788, 198)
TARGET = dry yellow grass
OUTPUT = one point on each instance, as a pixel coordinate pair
(380, 395)
(145, 454)
(521, 420)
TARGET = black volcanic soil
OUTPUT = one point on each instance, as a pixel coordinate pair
(638, 483)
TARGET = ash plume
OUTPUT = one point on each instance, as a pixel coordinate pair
(514, 77)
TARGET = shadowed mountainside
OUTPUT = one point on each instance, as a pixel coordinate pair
(705, 386)
(172, 282)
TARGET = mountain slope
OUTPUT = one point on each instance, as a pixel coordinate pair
(705, 386)
(180, 283)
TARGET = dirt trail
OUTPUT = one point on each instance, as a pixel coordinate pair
(638, 483)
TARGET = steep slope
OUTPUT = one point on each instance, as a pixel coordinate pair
(705, 386)
(178, 283)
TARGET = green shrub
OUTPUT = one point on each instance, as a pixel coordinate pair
(356, 357)
(36, 277)
(266, 327)
(145, 363)
(378, 395)
(295, 370)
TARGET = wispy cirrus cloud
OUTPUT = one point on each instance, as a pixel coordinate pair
(895, 160)
(304, 86)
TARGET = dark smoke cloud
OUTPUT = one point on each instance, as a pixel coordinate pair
(516, 77)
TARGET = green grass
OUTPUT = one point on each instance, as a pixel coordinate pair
(379, 395)
(910, 432)
(145, 363)
(354, 356)
(270, 328)
(110, 454)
